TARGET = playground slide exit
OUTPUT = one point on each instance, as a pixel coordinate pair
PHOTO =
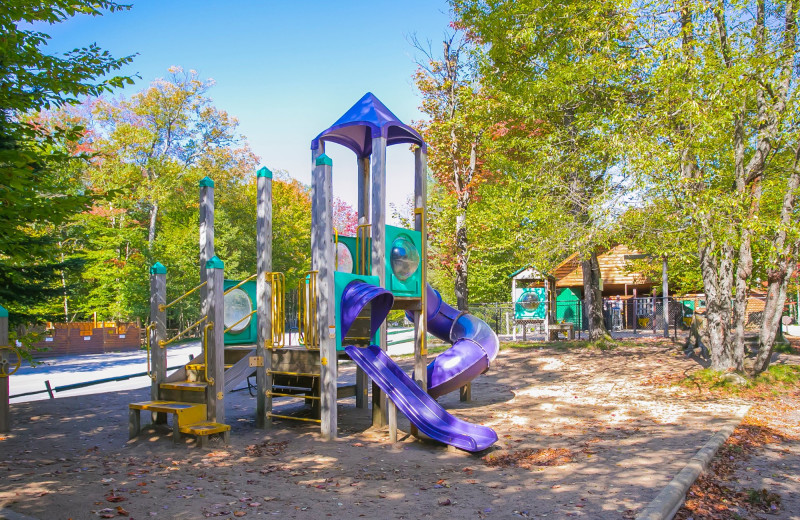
(420, 408)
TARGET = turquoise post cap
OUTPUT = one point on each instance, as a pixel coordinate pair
(264, 172)
(215, 263)
(158, 268)
(324, 160)
(3, 312)
(206, 182)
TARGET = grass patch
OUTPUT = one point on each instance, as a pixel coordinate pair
(776, 377)
(600, 344)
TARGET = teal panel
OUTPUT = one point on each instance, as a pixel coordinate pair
(404, 261)
(569, 308)
(531, 304)
(235, 303)
(340, 281)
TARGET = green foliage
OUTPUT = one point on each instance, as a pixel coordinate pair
(785, 376)
(40, 187)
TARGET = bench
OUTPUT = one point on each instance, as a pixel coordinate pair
(555, 330)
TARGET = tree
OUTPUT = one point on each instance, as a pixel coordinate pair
(452, 100)
(554, 72)
(718, 145)
(37, 188)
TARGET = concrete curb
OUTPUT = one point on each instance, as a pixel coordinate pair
(669, 501)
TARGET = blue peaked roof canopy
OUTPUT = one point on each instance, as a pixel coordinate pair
(366, 119)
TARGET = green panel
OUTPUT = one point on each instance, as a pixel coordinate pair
(531, 304)
(412, 285)
(249, 333)
(568, 307)
(352, 247)
(340, 281)
(3, 312)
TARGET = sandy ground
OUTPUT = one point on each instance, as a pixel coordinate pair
(613, 437)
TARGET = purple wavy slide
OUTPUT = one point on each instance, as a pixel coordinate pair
(474, 346)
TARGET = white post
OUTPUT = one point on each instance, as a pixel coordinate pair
(421, 316)
(378, 203)
(322, 261)
(216, 340)
(264, 296)
(5, 409)
(362, 381)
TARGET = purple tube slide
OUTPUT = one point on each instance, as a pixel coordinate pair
(475, 346)
(420, 408)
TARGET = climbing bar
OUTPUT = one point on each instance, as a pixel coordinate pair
(209, 326)
(176, 337)
(163, 307)
(240, 284)
(241, 320)
(147, 333)
(4, 364)
(363, 233)
(296, 396)
(278, 306)
(297, 374)
(289, 417)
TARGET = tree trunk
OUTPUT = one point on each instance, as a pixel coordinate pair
(151, 232)
(778, 277)
(462, 294)
(593, 298)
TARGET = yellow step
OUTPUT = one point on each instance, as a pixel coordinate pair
(189, 386)
(205, 428)
(185, 413)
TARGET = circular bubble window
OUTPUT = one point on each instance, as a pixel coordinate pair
(529, 301)
(404, 257)
(237, 306)
(344, 260)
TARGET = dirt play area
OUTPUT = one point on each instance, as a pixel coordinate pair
(584, 433)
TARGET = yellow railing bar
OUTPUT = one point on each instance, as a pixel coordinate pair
(209, 326)
(363, 232)
(148, 331)
(4, 372)
(163, 344)
(240, 283)
(424, 292)
(307, 311)
(293, 418)
(335, 249)
(296, 374)
(296, 396)
(278, 308)
(163, 307)
(238, 322)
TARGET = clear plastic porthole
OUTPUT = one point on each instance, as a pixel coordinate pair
(344, 260)
(529, 301)
(404, 257)
(237, 306)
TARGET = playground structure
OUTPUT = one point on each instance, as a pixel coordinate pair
(353, 284)
(7, 368)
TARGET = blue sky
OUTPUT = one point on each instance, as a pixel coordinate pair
(286, 70)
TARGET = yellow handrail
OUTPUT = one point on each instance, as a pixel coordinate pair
(163, 307)
(4, 372)
(163, 344)
(240, 283)
(363, 232)
(148, 331)
(424, 271)
(277, 307)
(209, 380)
(241, 320)
(307, 315)
(335, 249)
